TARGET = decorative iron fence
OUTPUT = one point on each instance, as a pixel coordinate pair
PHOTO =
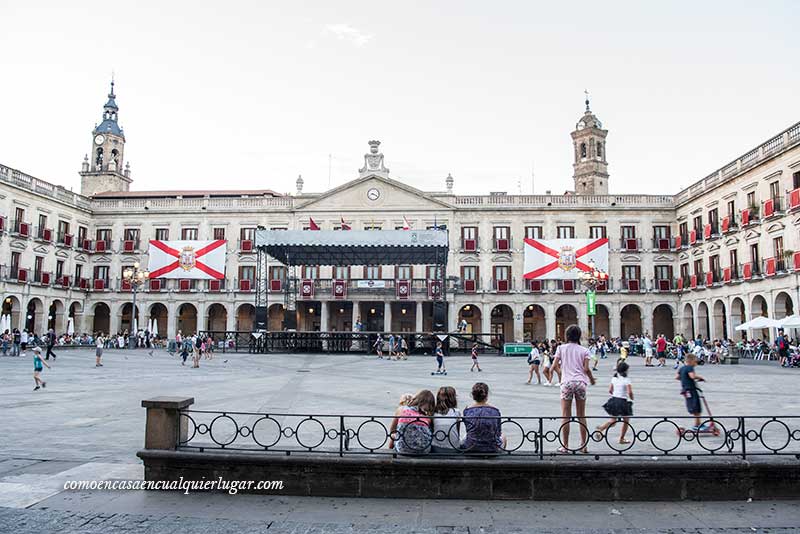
(536, 437)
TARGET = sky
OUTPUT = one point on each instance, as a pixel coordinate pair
(251, 94)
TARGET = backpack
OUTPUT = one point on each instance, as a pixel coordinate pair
(782, 343)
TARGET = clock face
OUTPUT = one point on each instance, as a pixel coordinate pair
(98, 139)
(373, 194)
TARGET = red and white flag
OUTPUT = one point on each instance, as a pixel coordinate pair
(406, 224)
(312, 225)
(563, 259)
(345, 226)
(195, 260)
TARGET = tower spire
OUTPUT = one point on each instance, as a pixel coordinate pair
(585, 92)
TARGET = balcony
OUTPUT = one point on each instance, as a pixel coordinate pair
(469, 245)
(187, 286)
(20, 228)
(695, 237)
(502, 285)
(710, 231)
(534, 286)
(665, 244)
(629, 285)
(630, 244)
(793, 200)
(796, 261)
(749, 216)
(773, 207)
(63, 281)
(17, 274)
(683, 282)
(64, 240)
(567, 286)
(82, 283)
(682, 241)
(156, 285)
(502, 245)
(471, 286)
(216, 286)
(102, 246)
(2, 224)
(246, 245)
(729, 224)
(44, 235)
(276, 285)
(129, 245)
(245, 285)
(86, 245)
(42, 278)
(664, 285)
(100, 284)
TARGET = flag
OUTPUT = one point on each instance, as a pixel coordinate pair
(406, 225)
(563, 259)
(312, 225)
(345, 226)
(193, 260)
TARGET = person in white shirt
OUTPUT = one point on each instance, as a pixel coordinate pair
(620, 405)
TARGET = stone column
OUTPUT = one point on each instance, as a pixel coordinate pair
(486, 322)
(114, 320)
(165, 429)
(230, 318)
(387, 316)
(583, 317)
(647, 320)
(87, 324)
(323, 316)
(452, 317)
(418, 317)
(550, 320)
(613, 320)
(518, 334)
(172, 321)
(202, 320)
(356, 313)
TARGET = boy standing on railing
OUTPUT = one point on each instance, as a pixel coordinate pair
(689, 390)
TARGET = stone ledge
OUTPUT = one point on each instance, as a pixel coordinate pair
(496, 478)
(168, 403)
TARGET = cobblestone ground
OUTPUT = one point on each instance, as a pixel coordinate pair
(88, 424)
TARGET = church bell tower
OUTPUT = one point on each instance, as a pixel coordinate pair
(102, 168)
(590, 168)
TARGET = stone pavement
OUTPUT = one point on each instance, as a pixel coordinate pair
(88, 424)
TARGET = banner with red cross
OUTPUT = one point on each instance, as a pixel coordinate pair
(307, 289)
(340, 289)
(193, 260)
(403, 289)
(563, 259)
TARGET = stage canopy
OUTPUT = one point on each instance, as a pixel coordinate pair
(354, 247)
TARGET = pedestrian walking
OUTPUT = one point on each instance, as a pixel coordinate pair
(475, 358)
(534, 359)
(573, 359)
(378, 346)
(439, 352)
(37, 368)
(99, 343)
(24, 338)
(50, 341)
(620, 405)
(16, 342)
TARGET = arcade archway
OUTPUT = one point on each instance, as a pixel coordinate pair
(630, 321)
(566, 315)
(533, 323)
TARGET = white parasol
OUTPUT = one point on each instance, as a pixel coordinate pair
(71, 326)
(759, 323)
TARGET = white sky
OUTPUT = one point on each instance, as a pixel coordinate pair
(242, 94)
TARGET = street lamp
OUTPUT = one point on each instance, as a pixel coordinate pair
(590, 280)
(136, 277)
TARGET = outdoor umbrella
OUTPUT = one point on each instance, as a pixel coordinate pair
(71, 326)
(793, 321)
(759, 323)
(154, 328)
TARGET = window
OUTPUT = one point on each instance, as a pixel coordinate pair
(78, 272)
(630, 272)
(403, 272)
(713, 220)
(661, 232)
(796, 180)
(713, 263)
(502, 272)
(732, 210)
(583, 150)
(247, 272)
(310, 272)
(38, 262)
(42, 222)
(777, 248)
(663, 272)
(599, 150)
(372, 272)
(59, 269)
(101, 272)
(103, 234)
(698, 226)
(63, 229)
(19, 216)
(469, 272)
(341, 272)
(219, 234)
(469, 238)
(502, 238)
(247, 234)
(131, 234)
(372, 226)
(754, 259)
(565, 232)
(628, 232)
(597, 232)
(277, 273)
(685, 271)
(751, 199)
(15, 257)
(683, 231)
(734, 259)
(533, 232)
(162, 234)
(188, 234)
(698, 268)
(434, 273)
(775, 190)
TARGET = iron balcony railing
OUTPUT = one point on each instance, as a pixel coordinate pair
(533, 437)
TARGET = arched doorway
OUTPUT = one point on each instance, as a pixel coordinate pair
(102, 319)
(33, 314)
(533, 323)
(217, 318)
(663, 322)
(688, 321)
(703, 324)
(126, 322)
(602, 321)
(275, 313)
(246, 317)
(783, 306)
(187, 319)
(502, 324)
(566, 315)
(630, 321)
(11, 307)
(160, 314)
(759, 308)
(55, 317)
(720, 320)
(738, 315)
(371, 314)
(472, 315)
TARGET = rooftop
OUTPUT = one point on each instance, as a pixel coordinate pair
(190, 193)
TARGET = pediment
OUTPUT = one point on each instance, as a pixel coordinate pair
(698, 252)
(40, 249)
(501, 257)
(249, 258)
(777, 227)
(103, 259)
(713, 246)
(129, 259)
(751, 235)
(731, 241)
(391, 195)
(630, 258)
(683, 256)
(19, 245)
(80, 257)
(663, 258)
(469, 258)
(61, 253)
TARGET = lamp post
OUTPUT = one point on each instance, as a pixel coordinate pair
(590, 280)
(136, 277)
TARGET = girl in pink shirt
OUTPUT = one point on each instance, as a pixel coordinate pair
(573, 359)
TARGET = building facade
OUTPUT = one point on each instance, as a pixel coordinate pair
(700, 262)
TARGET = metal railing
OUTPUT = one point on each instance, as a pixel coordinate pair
(532, 437)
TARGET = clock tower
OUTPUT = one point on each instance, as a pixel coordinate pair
(590, 169)
(102, 168)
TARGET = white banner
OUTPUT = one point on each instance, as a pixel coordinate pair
(563, 259)
(195, 260)
(366, 284)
